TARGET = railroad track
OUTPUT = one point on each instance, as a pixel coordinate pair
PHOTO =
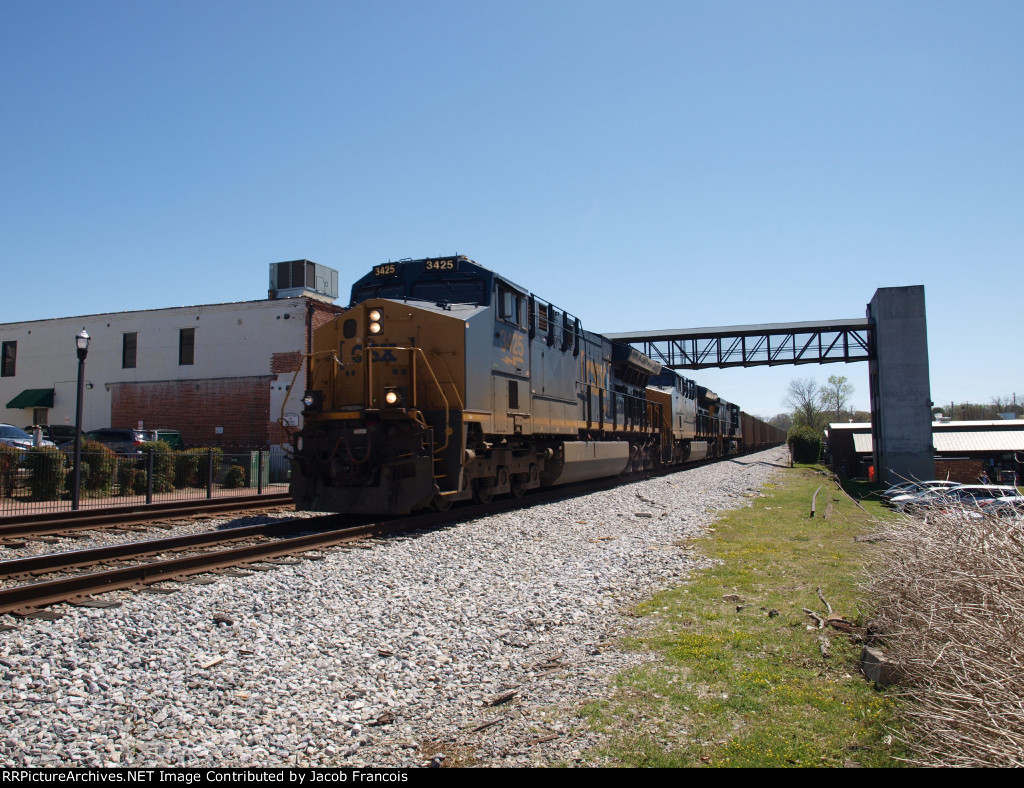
(56, 523)
(263, 543)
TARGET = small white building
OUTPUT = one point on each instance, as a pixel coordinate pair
(221, 374)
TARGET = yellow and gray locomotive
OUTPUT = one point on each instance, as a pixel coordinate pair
(444, 381)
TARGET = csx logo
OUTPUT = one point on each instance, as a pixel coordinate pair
(596, 372)
(383, 353)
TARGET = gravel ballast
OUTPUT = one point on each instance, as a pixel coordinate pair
(475, 643)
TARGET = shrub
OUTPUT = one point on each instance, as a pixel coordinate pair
(234, 478)
(804, 444)
(47, 466)
(131, 478)
(99, 465)
(191, 466)
(164, 465)
(950, 596)
(8, 470)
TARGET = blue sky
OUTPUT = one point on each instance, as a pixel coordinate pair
(645, 165)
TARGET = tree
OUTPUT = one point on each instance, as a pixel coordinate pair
(973, 411)
(835, 394)
(782, 420)
(804, 397)
(1006, 405)
(804, 444)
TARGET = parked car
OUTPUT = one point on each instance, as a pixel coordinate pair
(963, 495)
(900, 493)
(122, 441)
(982, 494)
(59, 434)
(171, 437)
(18, 439)
(1010, 508)
(899, 489)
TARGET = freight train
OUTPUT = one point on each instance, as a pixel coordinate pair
(445, 381)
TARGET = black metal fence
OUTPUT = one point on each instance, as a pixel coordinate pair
(41, 479)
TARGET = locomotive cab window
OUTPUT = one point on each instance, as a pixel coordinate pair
(510, 305)
(449, 291)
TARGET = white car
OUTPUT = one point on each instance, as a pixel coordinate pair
(19, 439)
(900, 493)
(1010, 508)
(962, 495)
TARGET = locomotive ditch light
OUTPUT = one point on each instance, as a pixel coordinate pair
(313, 400)
(394, 397)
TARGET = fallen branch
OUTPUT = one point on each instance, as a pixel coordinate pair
(815, 616)
(824, 601)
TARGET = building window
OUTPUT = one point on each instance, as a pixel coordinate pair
(129, 343)
(186, 346)
(10, 355)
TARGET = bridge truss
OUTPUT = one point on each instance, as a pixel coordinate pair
(769, 344)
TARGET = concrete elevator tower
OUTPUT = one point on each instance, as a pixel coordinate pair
(901, 414)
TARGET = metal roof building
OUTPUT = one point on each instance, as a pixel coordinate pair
(963, 449)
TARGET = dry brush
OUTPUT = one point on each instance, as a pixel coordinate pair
(950, 590)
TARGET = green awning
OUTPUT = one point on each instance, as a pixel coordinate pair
(33, 398)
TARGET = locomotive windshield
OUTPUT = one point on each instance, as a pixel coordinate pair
(444, 280)
(465, 292)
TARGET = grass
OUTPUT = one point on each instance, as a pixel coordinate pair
(743, 682)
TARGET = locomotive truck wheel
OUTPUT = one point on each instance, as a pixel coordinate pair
(441, 504)
(482, 494)
(517, 488)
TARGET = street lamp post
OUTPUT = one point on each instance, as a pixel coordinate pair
(82, 344)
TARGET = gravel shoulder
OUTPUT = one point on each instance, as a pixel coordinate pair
(477, 643)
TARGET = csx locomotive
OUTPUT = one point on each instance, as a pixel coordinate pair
(444, 381)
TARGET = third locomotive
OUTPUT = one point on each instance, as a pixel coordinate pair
(444, 381)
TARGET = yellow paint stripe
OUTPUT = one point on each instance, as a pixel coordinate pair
(335, 416)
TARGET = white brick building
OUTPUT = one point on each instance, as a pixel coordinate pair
(219, 373)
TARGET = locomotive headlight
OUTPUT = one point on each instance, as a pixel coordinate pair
(313, 401)
(375, 315)
(374, 328)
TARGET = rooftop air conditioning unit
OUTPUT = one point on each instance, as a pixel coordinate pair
(303, 278)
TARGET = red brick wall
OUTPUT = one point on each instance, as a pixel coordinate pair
(324, 313)
(197, 407)
(285, 362)
(964, 471)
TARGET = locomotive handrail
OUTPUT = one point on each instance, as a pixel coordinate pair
(308, 359)
(368, 357)
(632, 418)
(455, 389)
